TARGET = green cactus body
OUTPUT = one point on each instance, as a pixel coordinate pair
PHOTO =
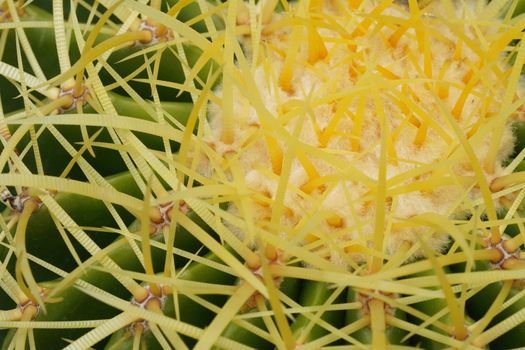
(55, 158)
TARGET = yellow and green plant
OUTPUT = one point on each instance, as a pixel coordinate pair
(312, 174)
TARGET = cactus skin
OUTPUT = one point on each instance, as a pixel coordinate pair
(219, 215)
(88, 211)
(106, 161)
(190, 311)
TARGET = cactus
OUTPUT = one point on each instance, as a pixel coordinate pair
(258, 175)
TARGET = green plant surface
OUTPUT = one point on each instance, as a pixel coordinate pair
(57, 158)
(312, 174)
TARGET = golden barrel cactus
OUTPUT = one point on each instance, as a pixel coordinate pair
(233, 175)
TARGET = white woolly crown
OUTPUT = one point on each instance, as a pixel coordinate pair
(366, 122)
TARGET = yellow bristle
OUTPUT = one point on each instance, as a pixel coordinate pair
(264, 199)
(476, 126)
(288, 106)
(285, 78)
(363, 27)
(228, 129)
(243, 14)
(421, 37)
(310, 185)
(330, 129)
(179, 5)
(310, 237)
(399, 131)
(500, 44)
(317, 183)
(308, 166)
(443, 90)
(513, 81)
(356, 70)
(466, 78)
(315, 5)
(378, 323)
(427, 53)
(414, 121)
(421, 134)
(386, 73)
(423, 46)
(296, 38)
(460, 103)
(506, 180)
(391, 151)
(288, 212)
(442, 85)
(386, 149)
(316, 48)
(393, 39)
(355, 248)
(335, 220)
(276, 154)
(354, 3)
(458, 52)
(412, 93)
(402, 106)
(358, 124)
(268, 10)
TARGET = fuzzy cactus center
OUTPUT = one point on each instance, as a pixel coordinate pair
(365, 125)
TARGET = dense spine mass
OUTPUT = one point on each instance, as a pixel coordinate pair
(234, 175)
(409, 79)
